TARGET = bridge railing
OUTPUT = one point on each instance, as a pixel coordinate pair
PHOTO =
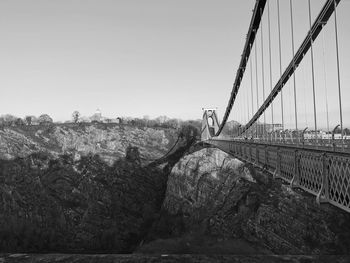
(327, 143)
(325, 174)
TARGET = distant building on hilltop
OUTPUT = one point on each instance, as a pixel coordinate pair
(97, 116)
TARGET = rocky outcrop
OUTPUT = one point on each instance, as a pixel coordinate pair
(198, 180)
(230, 200)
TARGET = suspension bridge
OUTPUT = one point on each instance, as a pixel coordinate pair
(289, 118)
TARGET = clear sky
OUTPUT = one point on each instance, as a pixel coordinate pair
(129, 57)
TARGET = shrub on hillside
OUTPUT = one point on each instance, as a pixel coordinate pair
(45, 119)
(76, 116)
(8, 120)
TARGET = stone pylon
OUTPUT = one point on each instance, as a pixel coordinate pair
(210, 124)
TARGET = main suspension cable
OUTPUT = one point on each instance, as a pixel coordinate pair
(254, 25)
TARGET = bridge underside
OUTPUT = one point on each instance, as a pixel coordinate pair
(323, 174)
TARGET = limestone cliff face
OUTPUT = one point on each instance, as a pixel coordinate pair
(79, 188)
(99, 195)
(51, 205)
(76, 201)
(200, 180)
(109, 141)
(230, 200)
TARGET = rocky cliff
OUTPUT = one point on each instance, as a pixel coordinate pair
(80, 188)
(77, 206)
(109, 141)
(86, 189)
(234, 208)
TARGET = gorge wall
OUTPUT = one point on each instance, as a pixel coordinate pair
(94, 188)
(80, 188)
(217, 197)
(109, 141)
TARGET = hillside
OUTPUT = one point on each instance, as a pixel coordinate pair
(109, 141)
(91, 189)
(82, 188)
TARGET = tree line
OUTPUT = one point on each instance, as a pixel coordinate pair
(9, 120)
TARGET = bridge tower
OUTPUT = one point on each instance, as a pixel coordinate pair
(210, 123)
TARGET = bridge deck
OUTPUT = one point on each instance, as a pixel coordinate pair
(323, 173)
